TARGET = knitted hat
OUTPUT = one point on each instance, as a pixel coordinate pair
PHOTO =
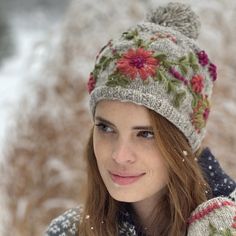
(217, 216)
(158, 64)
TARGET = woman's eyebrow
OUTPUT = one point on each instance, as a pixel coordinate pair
(99, 118)
(103, 120)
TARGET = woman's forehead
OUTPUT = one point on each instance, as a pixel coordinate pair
(126, 111)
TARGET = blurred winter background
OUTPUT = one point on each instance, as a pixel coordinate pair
(47, 49)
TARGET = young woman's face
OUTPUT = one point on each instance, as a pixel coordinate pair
(127, 155)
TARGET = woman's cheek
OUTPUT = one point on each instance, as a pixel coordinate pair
(148, 144)
(102, 143)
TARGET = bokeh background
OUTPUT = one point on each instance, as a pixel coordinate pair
(47, 49)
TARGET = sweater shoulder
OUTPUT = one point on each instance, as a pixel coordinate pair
(66, 224)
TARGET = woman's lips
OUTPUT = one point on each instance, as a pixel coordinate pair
(125, 179)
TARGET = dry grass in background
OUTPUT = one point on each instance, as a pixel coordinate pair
(44, 166)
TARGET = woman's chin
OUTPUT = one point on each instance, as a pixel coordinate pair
(126, 197)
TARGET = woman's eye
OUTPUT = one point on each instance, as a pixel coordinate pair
(104, 128)
(146, 134)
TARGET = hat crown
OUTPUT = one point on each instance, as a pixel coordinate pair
(177, 16)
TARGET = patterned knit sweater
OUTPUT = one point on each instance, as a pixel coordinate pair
(215, 217)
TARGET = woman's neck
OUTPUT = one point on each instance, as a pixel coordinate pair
(144, 209)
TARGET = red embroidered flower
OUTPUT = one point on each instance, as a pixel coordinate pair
(138, 62)
(197, 83)
(91, 83)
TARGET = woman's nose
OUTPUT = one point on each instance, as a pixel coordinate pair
(123, 153)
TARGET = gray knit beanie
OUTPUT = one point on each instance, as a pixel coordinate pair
(158, 64)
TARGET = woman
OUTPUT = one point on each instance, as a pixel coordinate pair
(147, 173)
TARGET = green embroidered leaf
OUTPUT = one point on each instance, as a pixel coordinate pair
(106, 63)
(195, 67)
(130, 35)
(95, 72)
(139, 43)
(198, 116)
(160, 76)
(103, 58)
(205, 103)
(160, 57)
(117, 79)
(103, 63)
(171, 87)
(181, 95)
(176, 103)
(183, 69)
(183, 59)
(193, 62)
(116, 55)
(179, 98)
(194, 102)
(97, 67)
(122, 83)
(166, 64)
(176, 82)
(111, 83)
(198, 96)
(192, 58)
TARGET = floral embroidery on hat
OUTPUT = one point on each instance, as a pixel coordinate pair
(177, 75)
(201, 110)
(160, 35)
(109, 44)
(197, 83)
(204, 61)
(141, 62)
(136, 62)
(213, 71)
(203, 58)
(91, 83)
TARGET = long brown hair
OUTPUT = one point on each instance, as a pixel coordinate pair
(185, 189)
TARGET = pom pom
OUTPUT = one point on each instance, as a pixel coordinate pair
(177, 16)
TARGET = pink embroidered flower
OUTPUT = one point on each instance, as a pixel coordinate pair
(197, 83)
(203, 58)
(213, 71)
(91, 83)
(206, 113)
(138, 62)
